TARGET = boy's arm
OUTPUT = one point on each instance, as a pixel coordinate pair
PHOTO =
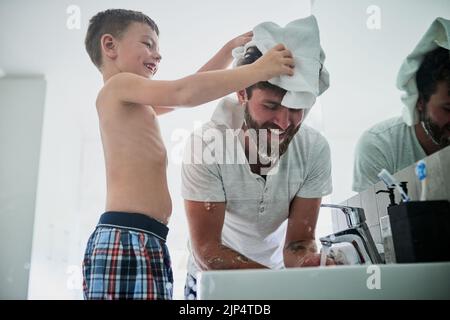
(223, 58)
(201, 87)
(220, 60)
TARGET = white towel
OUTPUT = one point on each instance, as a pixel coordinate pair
(301, 37)
(438, 35)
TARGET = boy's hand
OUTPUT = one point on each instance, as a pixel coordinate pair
(275, 62)
(239, 41)
(223, 58)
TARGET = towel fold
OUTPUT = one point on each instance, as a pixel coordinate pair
(437, 35)
(301, 37)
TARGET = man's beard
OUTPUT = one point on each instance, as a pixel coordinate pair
(268, 150)
(433, 131)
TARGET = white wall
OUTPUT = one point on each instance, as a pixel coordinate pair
(21, 114)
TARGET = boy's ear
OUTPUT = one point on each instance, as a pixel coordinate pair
(242, 96)
(109, 46)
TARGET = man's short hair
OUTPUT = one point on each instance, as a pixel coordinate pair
(114, 22)
(435, 68)
(251, 55)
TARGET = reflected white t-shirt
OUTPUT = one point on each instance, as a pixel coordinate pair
(390, 145)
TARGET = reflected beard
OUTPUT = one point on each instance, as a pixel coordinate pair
(434, 132)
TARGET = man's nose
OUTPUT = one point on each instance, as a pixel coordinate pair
(282, 118)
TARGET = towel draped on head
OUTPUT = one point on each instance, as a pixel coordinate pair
(437, 35)
(301, 37)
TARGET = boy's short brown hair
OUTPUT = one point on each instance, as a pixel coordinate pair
(114, 22)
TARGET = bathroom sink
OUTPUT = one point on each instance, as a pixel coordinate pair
(393, 281)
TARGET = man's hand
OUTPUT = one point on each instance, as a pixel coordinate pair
(303, 254)
(313, 260)
(300, 248)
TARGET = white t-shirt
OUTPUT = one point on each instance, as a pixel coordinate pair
(255, 208)
(390, 145)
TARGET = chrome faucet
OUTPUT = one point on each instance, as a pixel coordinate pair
(357, 234)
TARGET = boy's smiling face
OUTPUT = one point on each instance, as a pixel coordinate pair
(137, 50)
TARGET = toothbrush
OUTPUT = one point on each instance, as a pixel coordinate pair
(421, 172)
(390, 181)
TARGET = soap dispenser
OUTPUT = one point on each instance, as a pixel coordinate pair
(386, 233)
(391, 195)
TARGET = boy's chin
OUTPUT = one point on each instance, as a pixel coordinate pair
(145, 73)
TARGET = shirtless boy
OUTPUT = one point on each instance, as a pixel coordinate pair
(126, 256)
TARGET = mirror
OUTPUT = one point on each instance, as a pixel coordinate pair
(365, 43)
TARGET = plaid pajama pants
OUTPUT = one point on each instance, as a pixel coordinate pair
(123, 262)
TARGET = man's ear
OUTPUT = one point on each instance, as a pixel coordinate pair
(242, 96)
(420, 105)
(109, 46)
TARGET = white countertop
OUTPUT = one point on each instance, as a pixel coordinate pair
(392, 281)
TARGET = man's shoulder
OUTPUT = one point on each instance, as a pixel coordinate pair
(388, 127)
(307, 144)
(382, 138)
(308, 136)
(207, 129)
(383, 133)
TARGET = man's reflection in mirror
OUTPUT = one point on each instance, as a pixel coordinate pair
(424, 128)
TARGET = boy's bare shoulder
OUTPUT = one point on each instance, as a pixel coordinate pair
(119, 80)
(112, 90)
(122, 87)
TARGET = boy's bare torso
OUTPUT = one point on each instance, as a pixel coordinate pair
(135, 158)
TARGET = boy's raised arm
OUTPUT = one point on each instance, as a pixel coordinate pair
(201, 87)
(221, 60)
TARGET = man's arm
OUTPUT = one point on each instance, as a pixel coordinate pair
(205, 220)
(221, 60)
(300, 247)
(198, 88)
